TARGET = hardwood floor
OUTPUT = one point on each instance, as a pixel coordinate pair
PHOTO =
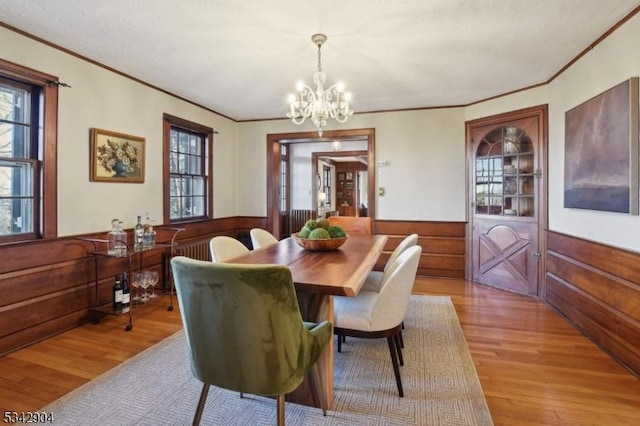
(534, 367)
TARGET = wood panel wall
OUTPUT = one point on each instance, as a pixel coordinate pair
(443, 245)
(48, 286)
(597, 288)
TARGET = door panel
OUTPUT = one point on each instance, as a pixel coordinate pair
(506, 255)
(505, 182)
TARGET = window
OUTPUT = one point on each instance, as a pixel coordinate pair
(283, 191)
(188, 170)
(28, 114)
(326, 172)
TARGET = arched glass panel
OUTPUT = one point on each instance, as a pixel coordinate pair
(504, 173)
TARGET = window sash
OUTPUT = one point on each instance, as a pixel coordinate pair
(28, 145)
(188, 170)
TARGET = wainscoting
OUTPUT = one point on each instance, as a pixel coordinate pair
(443, 245)
(597, 288)
(48, 286)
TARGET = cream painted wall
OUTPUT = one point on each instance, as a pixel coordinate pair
(611, 62)
(425, 179)
(252, 154)
(103, 99)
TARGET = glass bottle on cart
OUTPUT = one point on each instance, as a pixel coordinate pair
(117, 239)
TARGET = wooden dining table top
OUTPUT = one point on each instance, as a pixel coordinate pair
(340, 272)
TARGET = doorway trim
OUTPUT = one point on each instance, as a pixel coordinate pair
(273, 166)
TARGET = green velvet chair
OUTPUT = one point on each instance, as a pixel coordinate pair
(244, 330)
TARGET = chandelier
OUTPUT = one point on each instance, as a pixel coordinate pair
(320, 104)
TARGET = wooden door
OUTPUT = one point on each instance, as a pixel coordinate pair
(507, 199)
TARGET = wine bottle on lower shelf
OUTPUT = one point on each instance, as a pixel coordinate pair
(126, 293)
(117, 294)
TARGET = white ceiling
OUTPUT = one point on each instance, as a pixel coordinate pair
(242, 58)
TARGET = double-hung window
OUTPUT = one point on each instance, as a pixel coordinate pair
(283, 191)
(28, 114)
(188, 170)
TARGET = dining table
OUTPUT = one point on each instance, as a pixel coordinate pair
(318, 277)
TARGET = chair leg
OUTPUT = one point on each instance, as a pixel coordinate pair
(316, 383)
(396, 367)
(203, 399)
(280, 406)
(400, 339)
(339, 342)
(397, 339)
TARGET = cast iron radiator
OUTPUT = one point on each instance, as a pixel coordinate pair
(297, 219)
(194, 249)
(198, 250)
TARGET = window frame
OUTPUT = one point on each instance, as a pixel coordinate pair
(45, 211)
(327, 184)
(284, 199)
(169, 122)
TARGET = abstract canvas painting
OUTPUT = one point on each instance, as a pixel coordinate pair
(601, 151)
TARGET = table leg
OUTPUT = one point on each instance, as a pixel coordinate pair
(317, 307)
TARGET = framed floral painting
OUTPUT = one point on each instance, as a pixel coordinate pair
(116, 157)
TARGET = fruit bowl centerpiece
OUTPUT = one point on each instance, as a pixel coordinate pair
(317, 235)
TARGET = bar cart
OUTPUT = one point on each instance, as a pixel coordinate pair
(99, 250)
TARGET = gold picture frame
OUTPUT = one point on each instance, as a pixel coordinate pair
(116, 157)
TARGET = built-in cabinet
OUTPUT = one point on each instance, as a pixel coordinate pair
(345, 192)
(507, 205)
(348, 187)
(505, 173)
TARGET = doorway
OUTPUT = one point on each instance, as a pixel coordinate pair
(342, 182)
(277, 211)
(507, 166)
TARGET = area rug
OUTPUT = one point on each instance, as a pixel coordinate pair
(440, 384)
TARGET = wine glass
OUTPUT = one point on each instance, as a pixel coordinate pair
(145, 283)
(153, 280)
(136, 282)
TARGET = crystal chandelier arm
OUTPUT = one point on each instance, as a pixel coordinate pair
(300, 106)
(340, 109)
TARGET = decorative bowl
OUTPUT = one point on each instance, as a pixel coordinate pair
(326, 244)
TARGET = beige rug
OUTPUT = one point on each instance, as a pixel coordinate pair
(440, 384)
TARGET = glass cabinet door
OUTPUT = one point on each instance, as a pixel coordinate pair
(504, 173)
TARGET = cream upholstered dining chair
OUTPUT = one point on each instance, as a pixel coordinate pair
(375, 315)
(376, 278)
(353, 225)
(244, 330)
(261, 238)
(224, 248)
